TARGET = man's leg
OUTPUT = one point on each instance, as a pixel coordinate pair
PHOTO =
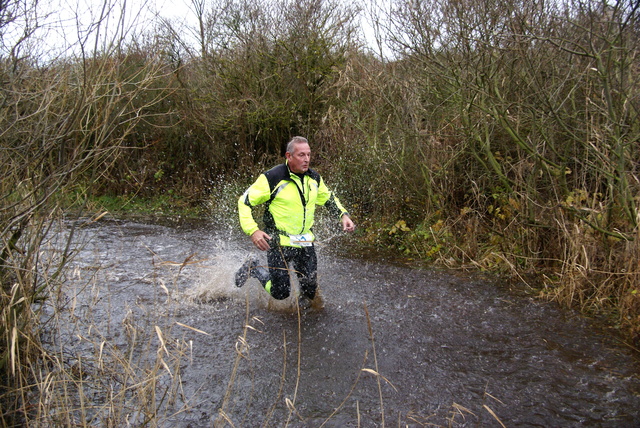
(251, 269)
(279, 285)
(307, 270)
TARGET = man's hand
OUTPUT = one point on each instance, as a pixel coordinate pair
(261, 240)
(347, 224)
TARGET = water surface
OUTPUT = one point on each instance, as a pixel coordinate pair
(393, 346)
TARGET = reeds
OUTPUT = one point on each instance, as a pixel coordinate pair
(71, 362)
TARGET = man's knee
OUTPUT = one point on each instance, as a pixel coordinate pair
(279, 287)
(280, 293)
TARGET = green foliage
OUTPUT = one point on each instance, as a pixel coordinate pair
(165, 205)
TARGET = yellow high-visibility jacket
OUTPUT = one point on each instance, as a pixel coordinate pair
(291, 203)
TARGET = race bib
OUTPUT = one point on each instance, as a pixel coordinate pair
(305, 240)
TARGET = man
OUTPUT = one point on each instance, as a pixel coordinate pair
(291, 192)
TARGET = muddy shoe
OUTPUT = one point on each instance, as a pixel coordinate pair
(245, 270)
(317, 304)
(304, 302)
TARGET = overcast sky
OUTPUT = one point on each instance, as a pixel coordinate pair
(64, 18)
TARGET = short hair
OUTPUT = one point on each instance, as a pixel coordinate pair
(295, 140)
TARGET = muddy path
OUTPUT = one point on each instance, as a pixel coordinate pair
(393, 346)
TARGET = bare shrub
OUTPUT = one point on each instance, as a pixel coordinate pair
(538, 104)
(64, 123)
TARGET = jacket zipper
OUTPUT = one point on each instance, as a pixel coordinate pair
(302, 199)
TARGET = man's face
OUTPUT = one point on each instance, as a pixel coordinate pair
(300, 157)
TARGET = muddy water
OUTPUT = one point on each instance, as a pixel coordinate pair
(393, 346)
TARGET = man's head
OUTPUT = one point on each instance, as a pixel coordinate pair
(298, 155)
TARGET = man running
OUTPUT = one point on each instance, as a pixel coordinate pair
(291, 192)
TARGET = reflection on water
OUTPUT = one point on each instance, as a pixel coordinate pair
(393, 346)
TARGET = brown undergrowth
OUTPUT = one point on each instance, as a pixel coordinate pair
(571, 263)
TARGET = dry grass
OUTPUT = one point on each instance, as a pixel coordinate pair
(77, 366)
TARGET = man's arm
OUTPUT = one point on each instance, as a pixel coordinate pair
(258, 193)
(347, 223)
(261, 240)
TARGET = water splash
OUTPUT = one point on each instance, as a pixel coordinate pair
(215, 282)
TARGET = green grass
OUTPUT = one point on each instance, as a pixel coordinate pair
(163, 205)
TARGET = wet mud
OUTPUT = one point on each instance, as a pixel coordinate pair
(392, 346)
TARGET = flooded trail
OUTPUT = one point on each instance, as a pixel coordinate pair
(393, 346)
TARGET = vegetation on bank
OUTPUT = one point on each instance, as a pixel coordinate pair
(164, 205)
(498, 135)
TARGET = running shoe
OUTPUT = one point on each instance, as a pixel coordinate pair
(245, 270)
(304, 302)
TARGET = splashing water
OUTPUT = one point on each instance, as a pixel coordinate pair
(216, 282)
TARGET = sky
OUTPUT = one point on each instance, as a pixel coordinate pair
(68, 21)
